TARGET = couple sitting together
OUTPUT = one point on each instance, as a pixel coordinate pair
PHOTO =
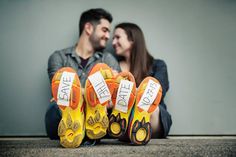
(96, 95)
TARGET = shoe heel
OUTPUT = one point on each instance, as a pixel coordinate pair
(96, 122)
(141, 129)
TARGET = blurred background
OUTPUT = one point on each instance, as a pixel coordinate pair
(196, 38)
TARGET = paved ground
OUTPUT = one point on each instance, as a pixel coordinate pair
(174, 146)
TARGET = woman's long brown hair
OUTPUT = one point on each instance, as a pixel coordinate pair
(140, 59)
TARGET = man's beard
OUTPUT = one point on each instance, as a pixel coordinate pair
(95, 41)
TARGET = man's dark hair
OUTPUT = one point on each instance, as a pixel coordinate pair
(93, 16)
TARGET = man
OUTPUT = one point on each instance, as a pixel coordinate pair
(94, 29)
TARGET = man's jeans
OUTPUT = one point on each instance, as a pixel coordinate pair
(52, 119)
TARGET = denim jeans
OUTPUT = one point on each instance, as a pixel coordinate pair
(52, 119)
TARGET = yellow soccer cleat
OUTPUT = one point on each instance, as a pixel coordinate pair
(148, 97)
(66, 91)
(98, 89)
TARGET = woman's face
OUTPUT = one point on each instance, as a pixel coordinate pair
(121, 43)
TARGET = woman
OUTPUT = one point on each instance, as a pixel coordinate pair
(133, 56)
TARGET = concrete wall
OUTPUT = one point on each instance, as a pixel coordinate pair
(196, 38)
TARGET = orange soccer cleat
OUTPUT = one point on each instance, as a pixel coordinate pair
(123, 99)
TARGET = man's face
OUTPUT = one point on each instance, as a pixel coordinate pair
(100, 35)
